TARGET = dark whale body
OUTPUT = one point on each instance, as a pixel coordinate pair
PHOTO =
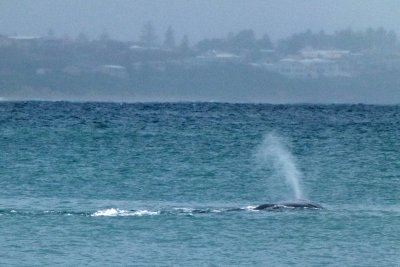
(289, 205)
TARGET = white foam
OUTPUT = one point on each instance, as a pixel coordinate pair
(184, 209)
(143, 212)
(251, 208)
(112, 212)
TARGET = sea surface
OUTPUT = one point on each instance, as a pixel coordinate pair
(176, 184)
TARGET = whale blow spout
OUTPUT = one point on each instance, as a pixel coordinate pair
(299, 204)
(274, 150)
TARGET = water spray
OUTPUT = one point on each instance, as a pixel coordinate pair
(273, 149)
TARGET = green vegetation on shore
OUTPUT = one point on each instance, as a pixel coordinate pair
(345, 66)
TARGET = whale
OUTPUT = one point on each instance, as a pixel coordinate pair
(299, 204)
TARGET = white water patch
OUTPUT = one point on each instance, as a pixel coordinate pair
(184, 209)
(112, 212)
(250, 208)
(216, 211)
(273, 150)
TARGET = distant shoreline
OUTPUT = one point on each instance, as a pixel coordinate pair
(234, 87)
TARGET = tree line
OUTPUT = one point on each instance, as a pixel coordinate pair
(378, 39)
(346, 39)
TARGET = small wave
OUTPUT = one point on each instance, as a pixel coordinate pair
(112, 212)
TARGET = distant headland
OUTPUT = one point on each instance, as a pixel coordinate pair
(342, 67)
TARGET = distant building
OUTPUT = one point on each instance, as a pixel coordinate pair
(112, 70)
(323, 54)
(24, 42)
(218, 57)
(311, 68)
(140, 48)
(310, 63)
(29, 42)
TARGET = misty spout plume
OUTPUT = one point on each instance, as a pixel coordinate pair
(273, 150)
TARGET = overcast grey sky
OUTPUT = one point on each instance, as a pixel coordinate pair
(123, 19)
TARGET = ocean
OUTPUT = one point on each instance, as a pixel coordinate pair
(176, 184)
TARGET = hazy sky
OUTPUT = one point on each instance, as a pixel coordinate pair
(123, 19)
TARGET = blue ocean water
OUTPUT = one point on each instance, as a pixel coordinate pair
(175, 184)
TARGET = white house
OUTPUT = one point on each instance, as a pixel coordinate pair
(24, 42)
(112, 70)
(311, 68)
(214, 56)
(310, 53)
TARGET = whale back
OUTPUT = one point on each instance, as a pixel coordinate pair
(289, 204)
